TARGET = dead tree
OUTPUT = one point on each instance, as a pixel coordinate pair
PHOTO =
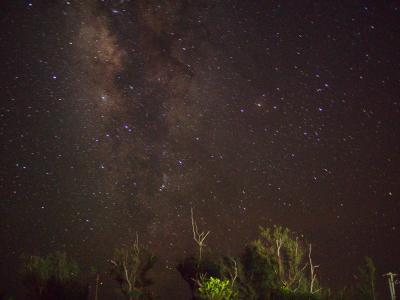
(199, 237)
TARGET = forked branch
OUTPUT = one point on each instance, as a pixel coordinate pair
(199, 237)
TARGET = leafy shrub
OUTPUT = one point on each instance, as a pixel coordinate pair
(212, 288)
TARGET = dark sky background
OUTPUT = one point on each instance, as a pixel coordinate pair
(117, 117)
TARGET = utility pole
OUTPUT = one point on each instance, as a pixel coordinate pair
(391, 276)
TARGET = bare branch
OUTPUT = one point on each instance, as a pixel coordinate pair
(313, 275)
(279, 243)
(127, 278)
(235, 274)
(199, 237)
(391, 280)
(113, 262)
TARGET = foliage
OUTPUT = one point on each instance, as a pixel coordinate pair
(285, 294)
(130, 267)
(232, 268)
(276, 262)
(276, 266)
(52, 277)
(212, 288)
(258, 268)
(366, 287)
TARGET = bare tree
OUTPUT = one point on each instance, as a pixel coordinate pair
(199, 237)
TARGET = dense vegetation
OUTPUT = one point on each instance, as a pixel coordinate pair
(276, 266)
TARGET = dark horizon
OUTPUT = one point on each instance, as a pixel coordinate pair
(117, 117)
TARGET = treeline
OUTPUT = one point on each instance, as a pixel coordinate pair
(276, 266)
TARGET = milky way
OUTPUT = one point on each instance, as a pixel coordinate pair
(117, 117)
(143, 111)
(140, 114)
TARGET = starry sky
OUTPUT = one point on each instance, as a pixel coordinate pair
(118, 116)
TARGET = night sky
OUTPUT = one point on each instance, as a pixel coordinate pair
(118, 116)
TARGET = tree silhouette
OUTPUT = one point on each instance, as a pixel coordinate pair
(52, 277)
(366, 287)
(130, 266)
(276, 264)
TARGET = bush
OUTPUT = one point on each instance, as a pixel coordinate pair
(212, 288)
